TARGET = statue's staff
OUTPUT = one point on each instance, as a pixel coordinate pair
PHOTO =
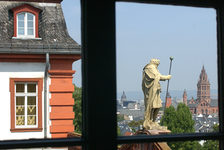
(171, 59)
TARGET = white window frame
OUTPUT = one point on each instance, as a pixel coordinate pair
(25, 26)
(26, 94)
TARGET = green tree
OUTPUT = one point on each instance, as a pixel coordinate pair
(77, 95)
(135, 124)
(180, 121)
(212, 144)
(216, 128)
(118, 131)
(120, 117)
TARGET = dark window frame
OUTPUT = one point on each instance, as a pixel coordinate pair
(99, 80)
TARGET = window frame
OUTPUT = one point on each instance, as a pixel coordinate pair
(25, 8)
(39, 83)
(98, 45)
(26, 35)
(25, 94)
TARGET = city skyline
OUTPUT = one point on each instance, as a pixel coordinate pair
(156, 31)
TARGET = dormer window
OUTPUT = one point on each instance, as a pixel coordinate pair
(26, 22)
(26, 25)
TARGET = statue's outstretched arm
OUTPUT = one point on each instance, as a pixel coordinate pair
(163, 77)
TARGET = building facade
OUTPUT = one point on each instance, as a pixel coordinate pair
(36, 56)
(203, 104)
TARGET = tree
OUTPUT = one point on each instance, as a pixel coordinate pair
(212, 144)
(77, 95)
(120, 117)
(118, 131)
(180, 121)
(135, 124)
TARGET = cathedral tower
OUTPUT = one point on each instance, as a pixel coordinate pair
(203, 87)
(123, 98)
(185, 97)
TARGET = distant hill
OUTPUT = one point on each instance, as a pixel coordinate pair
(176, 94)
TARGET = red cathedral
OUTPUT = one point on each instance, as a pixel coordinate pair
(203, 104)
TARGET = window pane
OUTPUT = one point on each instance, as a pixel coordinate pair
(31, 88)
(20, 100)
(21, 31)
(31, 120)
(31, 100)
(31, 110)
(144, 32)
(21, 16)
(30, 16)
(20, 24)
(20, 110)
(30, 24)
(29, 105)
(30, 31)
(20, 120)
(20, 88)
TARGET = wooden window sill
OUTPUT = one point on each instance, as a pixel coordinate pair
(26, 130)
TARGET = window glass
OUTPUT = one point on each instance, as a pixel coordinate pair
(72, 14)
(21, 16)
(25, 24)
(21, 22)
(31, 120)
(31, 88)
(31, 100)
(20, 110)
(20, 105)
(30, 31)
(21, 31)
(30, 24)
(27, 97)
(26, 108)
(30, 17)
(20, 120)
(20, 100)
(20, 88)
(183, 39)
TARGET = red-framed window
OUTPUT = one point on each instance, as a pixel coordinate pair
(26, 104)
(26, 19)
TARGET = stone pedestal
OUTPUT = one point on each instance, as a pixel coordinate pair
(73, 135)
(148, 146)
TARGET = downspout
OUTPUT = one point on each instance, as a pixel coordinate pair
(45, 94)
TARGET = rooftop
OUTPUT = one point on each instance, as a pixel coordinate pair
(54, 37)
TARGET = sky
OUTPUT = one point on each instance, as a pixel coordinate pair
(146, 31)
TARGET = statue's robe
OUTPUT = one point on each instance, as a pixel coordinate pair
(151, 89)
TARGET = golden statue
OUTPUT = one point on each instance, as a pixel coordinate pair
(151, 89)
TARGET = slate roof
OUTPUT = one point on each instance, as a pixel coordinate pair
(213, 103)
(135, 113)
(192, 105)
(52, 31)
(205, 123)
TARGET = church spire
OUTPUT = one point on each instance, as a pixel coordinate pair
(185, 97)
(203, 76)
(123, 98)
(203, 86)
